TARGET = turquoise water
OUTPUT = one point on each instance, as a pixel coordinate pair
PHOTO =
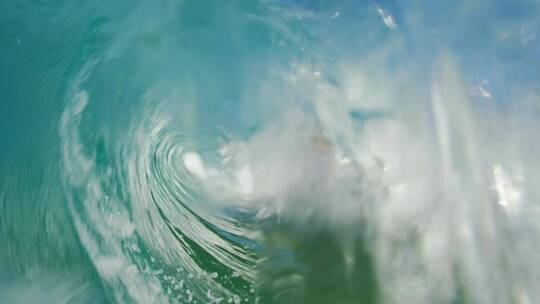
(269, 151)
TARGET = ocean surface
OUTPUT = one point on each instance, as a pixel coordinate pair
(270, 151)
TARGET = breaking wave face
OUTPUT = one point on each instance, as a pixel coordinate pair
(270, 152)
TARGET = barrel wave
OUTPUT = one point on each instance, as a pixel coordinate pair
(269, 151)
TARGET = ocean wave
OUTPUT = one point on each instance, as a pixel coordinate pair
(270, 152)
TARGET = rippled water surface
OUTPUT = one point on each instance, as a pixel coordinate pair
(270, 151)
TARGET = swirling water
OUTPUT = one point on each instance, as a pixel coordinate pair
(269, 151)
